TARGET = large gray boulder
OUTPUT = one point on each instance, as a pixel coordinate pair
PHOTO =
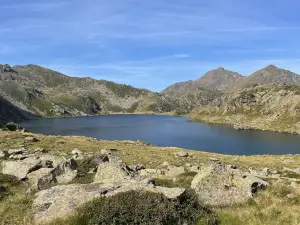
(21, 168)
(112, 177)
(63, 173)
(113, 169)
(218, 184)
(62, 201)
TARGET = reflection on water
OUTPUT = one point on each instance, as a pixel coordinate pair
(171, 131)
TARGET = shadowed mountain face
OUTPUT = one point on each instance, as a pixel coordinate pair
(217, 79)
(9, 112)
(47, 93)
(266, 76)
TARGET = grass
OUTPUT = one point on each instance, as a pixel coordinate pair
(268, 207)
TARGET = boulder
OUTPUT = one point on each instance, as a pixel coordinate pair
(31, 139)
(76, 151)
(62, 201)
(55, 160)
(48, 175)
(3, 154)
(114, 169)
(195, 169)
(218, 184)
(264, 173)
(66, 171)
(105, 151)
(182, 153)
(20, 169)
(174, 171)
(41, 179)
(153, 173)
(16, 151)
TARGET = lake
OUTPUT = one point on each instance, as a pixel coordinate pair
(170, 131)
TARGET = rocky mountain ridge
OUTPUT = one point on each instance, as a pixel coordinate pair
(217, 80)
(267, 99)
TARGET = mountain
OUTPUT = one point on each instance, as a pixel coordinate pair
(217, 79)
(9, 112)
(265, 107)
(46, 93)
(266, 76)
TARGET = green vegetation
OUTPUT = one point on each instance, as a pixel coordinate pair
(137, 207)
(183, 180)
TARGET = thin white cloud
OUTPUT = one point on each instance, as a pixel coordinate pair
(41, 6)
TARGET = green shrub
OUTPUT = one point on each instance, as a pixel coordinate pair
(141, 208)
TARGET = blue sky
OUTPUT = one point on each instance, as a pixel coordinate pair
(150, 43)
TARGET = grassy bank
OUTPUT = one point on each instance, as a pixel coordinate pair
(268, 207)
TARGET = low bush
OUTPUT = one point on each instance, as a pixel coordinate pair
(136, 207)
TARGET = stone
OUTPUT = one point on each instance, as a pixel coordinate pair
(78, 157)
(174, 171)
(114, 169)
(16, 151)
(290, 196)
(99, 159)
(152, 173)
(193, 169)
(66, 171)
(218, 184)
(294, 185)
(56, 160)
(63, 200)
(105, 151)
(137, 168)
(165, 163)
(214, 159)
(41, 179)
(76, 151)
(3, 154)
(31, 139)
(17, 157)
(20, 169)
(182, 153)
(39, 150)
(264, 173)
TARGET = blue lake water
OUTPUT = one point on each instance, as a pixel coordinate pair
(170, 131)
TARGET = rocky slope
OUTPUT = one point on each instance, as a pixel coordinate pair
(47, 93)
(265, 107)
(217, 79)
(40, 174)
(266, 76)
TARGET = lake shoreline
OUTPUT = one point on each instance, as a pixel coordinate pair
(167, 130)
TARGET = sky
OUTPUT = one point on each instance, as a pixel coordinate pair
(150, 43)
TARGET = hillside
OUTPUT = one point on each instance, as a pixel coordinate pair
(217, 79)
(265, 107)
(266, 76)
(47, 93)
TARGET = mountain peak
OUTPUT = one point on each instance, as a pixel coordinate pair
(272, 67)
(220, 68)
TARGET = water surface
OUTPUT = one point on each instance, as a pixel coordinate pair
(171, 131)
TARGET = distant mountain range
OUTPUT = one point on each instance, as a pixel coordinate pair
(224, 80)
(217, 79)
(267, 99)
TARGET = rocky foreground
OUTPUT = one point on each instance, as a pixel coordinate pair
(61, 174)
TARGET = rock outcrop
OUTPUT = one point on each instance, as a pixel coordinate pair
(113, 176)
(218, 184)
